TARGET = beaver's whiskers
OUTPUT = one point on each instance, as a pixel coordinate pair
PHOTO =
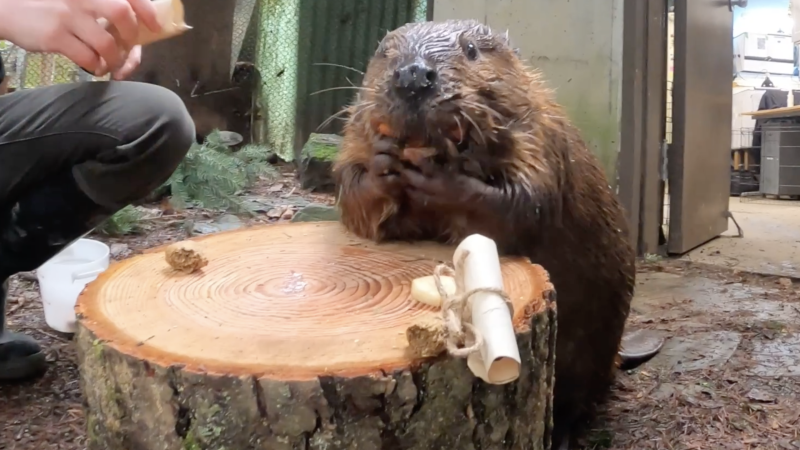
(480, 132)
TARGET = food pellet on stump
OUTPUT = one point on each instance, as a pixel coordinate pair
(426, 337)
(186, 256)
(424, 290)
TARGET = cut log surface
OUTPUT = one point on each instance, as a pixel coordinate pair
(293, 337)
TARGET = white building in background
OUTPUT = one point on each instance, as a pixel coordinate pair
(794, 17)
(764, 44)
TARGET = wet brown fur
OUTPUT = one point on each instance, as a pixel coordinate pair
(560, 211)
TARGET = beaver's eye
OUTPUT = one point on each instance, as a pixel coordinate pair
(472, 52)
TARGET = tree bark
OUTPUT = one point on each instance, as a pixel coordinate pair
(139, 399)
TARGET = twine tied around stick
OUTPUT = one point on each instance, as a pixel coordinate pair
(457, 310)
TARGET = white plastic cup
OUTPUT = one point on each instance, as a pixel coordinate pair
(63, 277)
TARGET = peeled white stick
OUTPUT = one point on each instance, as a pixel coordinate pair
(424, 289)
(498, 361)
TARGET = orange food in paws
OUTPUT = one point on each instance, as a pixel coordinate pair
(385, 130)
(415, 155)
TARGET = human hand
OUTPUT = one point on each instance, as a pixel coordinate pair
(70, 28)
(131, 63)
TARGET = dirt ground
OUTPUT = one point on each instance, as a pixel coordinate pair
(727, 377)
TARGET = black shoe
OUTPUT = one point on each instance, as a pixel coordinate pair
(21, 358)
(39, 226)
(46, 221)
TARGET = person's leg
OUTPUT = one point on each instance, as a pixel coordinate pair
(70, 157)
(3, 78)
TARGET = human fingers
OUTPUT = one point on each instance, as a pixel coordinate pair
(120, 14)
(85, 28)
(131, 63)
(81, 54)
(146, 12)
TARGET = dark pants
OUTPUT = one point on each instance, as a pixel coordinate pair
(120, 140)
(70, 156)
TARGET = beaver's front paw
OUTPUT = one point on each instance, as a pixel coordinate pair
(445, 190)
(384, 169)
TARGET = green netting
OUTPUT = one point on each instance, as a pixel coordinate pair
(304, 49)
(29, 70)
(242, 19)
(421, 11)
(276, 59)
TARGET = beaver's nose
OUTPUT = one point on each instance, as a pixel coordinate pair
(415, 78)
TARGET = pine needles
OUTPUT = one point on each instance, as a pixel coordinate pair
(212, 176)
(125, 221)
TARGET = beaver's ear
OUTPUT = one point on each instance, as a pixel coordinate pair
(380, 51)
(506, 38)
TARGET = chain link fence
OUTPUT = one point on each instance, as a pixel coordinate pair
(245, 32)
(309, 55)
(29, 70)
(276, 60)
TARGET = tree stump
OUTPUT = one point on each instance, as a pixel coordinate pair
(293, 337)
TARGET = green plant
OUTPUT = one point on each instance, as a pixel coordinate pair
(125, 221)
(212, 174)
(652, 258)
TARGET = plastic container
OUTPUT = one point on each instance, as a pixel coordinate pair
(63, 277)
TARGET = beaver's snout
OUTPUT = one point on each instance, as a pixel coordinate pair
(415, 79)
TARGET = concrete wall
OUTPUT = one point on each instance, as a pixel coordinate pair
(578, 46)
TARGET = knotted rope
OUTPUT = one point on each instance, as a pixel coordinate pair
(457, 311)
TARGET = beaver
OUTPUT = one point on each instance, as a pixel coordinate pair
(501, 159)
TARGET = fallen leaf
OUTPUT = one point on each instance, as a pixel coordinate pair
(757, 395)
